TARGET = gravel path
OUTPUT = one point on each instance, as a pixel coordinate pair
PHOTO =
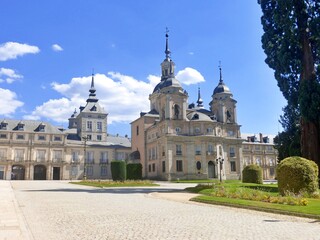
(58, 210)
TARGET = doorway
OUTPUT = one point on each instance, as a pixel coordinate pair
(56, 173)
(211, 170)
(40, 172)
(17, 172)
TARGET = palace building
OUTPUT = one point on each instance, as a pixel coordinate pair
(35, 150)
(177, 140)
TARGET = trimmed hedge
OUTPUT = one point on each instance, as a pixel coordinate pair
(118, 170)
(252, 174)
(134, 171)
(297, 174)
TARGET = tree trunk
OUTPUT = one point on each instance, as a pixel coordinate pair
(310, 144)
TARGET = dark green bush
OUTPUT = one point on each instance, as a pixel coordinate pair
(118, 170)
(296, 175)
(252, 174)
(134, 171)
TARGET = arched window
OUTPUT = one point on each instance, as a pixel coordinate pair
(176, 111)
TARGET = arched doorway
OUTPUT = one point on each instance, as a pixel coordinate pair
(17, 172)
(40, 172)
(211, 170)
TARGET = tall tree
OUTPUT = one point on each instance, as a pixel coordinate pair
(291, 41)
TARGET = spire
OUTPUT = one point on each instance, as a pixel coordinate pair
(220, 69)
(92, 90)
(199, 101)
(167, 51)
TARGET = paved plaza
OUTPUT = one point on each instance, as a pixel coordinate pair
(59, 210)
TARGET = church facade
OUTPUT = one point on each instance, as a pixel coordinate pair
(175, 140)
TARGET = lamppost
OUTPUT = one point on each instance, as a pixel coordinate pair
(220, 162)
(85, 158)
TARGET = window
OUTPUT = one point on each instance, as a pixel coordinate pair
(89, 125)
(104, 157)
(197, 130)
(271, 162)
(20, 137)
(3, 136)
(99, 137)
(120, 156)
(210, 149)
(41, 155)
(90, 158)
(230, 133)
(198, 150)
(88, 137)
(258, 161)
(178, 150)
(57, 138)
(269, 148)
(271, 170)
(149, 167)
(232, 152)
(246, 161)
(257, 147)
(99, 126)
(179, 166)
(178, 130)
(3, 154)
(41, 138)
(74, 171)
(163, 166)
(153, 167)
(89, 170)
(20, 126)
(103, 171)
(57, 155)
(233, 166)
(19, 155)
(3, 125)
(75, 156)
(41, 127)
(209, 130)
(137, 129)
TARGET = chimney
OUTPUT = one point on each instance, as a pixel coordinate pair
(261, 138)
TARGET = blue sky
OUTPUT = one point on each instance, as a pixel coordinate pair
(49, 48)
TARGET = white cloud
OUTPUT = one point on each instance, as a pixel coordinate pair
(189, 76)
(56, 48)
(11, 50)
(191, 53)
(8, 102)
(123, 97)
(9, 75)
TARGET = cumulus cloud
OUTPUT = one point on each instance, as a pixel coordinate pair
(122, 96)
(12, 50)
(56, 48)
(8, 102)
(9, 75)
(189, 76)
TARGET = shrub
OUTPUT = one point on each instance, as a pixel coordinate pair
(297, 175)
(252, 174)
(118, 170)
(134, 171)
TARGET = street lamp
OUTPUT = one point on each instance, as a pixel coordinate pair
(85, 158)
(220, 162)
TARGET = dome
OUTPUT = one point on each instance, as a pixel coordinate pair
(169, 82)
(221, 88)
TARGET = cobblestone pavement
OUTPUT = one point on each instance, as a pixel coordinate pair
(58, 210)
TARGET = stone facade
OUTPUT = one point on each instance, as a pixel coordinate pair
(34, 150)
(175, 140)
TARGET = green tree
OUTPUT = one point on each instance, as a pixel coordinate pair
(291, 41)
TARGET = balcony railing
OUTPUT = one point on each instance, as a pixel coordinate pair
(179, 153)
(41, 159)
(18, 159)
(104, 161)
(57, 160)
(89, 161)
(198, 152)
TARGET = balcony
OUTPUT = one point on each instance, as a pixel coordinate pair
(57, 160)
(89, 161)
(75, 160)
(41, 159)
(18, 159)
(178, 153)
(232, 154)
(198, 152)
(104, 161)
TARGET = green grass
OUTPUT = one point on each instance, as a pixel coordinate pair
(209, 195)
(107, 183)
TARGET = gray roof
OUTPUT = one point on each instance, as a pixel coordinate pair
(30, 126)
(168, 82)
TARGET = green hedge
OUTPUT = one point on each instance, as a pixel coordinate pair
(118, 170)
(134, 171)
(252, 174)
(297, 174)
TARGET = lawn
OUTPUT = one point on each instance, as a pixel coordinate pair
(108, 183)
(256, 196)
